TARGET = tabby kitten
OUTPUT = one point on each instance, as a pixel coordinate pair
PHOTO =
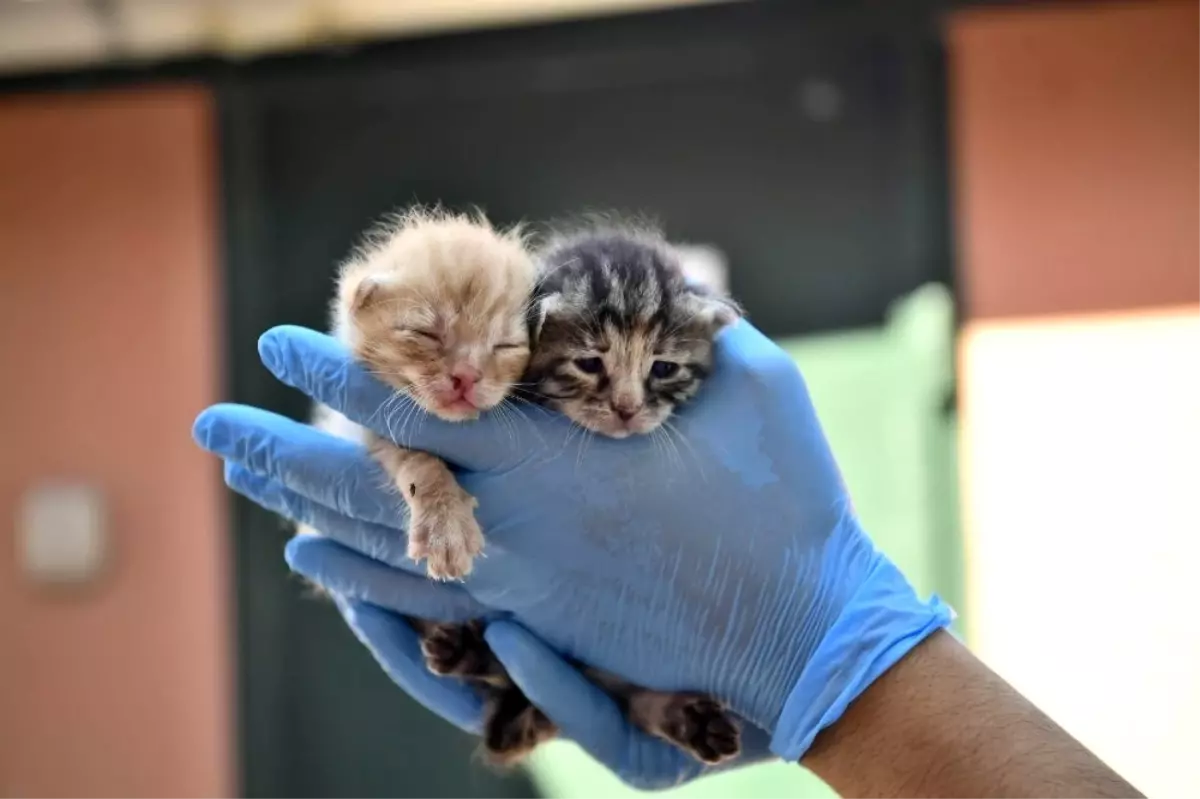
(435, 304)
(620, 341)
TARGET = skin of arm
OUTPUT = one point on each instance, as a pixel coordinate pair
(941, 723)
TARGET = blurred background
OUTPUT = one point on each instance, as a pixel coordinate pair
(976, 227)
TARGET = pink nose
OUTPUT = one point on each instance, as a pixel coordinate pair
(463, 380)
(625, 410)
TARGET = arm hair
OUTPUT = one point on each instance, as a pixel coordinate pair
(941, 723)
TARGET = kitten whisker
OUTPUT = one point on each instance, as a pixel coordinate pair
(526, 402)
(585, 443)
(671, 429)
(406, 413)
(384, 411)
(659, 449)
(507, 423)
(575, 430)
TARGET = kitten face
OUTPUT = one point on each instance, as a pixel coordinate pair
(437, 308)
(621, 339)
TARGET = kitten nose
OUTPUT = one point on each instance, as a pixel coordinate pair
(624, 411)
(463, 379)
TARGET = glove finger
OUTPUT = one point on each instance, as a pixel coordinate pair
(331, 471)
(583, 712)
(349, 574)
(321, 367)
(384, 544)
(397, 648)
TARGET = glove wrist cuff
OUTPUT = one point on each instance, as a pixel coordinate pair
(880, 625)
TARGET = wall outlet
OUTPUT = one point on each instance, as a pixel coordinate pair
(62, 533)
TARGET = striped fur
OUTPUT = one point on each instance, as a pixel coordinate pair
(620, 338)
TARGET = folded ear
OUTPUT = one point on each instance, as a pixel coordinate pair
(712, 310)
(541, 307)
(369, 290)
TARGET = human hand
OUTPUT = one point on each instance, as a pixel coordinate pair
(724, 558)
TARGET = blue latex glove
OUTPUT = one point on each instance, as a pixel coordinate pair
(725, 558)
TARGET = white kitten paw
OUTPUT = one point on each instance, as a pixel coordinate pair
(446, 535)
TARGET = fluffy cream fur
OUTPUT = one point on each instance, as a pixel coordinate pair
(431, 295)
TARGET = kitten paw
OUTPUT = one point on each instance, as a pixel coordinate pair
(458, 650)
(702, 728)
(447, 537)
(446, 649)
(516, 729)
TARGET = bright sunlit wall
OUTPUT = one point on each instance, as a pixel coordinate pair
(1075, 131)
(1082, 453)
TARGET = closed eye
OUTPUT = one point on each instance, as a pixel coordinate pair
(509, 345)
(428, 335)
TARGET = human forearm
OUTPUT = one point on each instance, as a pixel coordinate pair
(940, 723)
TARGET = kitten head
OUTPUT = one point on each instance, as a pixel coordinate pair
(435, 305)
(621, 339)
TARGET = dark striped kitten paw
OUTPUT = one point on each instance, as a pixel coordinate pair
(513, 727)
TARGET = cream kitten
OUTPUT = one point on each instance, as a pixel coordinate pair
(435, 306)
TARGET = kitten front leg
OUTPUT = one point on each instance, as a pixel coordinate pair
(513, 727)
(442, 527)
(694, 722)
(459, 650)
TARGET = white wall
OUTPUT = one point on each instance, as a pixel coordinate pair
(1081, 465)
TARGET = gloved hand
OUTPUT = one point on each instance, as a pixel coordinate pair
(721, 555)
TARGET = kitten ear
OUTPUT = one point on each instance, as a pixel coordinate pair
(539, 309)
(370, 289)
(712, 310)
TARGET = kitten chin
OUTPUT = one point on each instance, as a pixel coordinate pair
(435, 305)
